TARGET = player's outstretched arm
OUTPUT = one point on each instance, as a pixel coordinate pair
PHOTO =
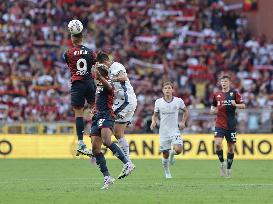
(120, 77)
(155, 118)
(185, 118)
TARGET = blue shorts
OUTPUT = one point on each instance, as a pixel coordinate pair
(81, 91)
(100, 121)
(230, 135)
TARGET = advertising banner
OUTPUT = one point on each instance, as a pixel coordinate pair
(201, 146)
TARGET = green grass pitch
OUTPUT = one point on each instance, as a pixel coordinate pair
(77, 181)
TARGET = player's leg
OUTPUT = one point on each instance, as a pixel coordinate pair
(124, 117)
(119, 129)
(101, 162)
(106, 134)
(165, 147)
(231, 140)
(106, 139)
(177, 148)
(77, 102)
(218, 140)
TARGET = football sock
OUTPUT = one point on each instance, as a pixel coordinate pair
(124, 146)
(230, 157)
(118, 153)
(79, 127)
(165, 164)
(101, 162)
(220, 155)
(172, 152)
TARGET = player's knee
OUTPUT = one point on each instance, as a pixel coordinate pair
(218, 146)
(231, 148)
(118, 135)
(178, 149)
(95, 150)
(106, 143)
(165, 154)
(78, 111)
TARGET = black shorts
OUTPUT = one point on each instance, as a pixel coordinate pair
(100, 121)
(230, 135)
(81, 91)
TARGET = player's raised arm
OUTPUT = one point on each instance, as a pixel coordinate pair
(120, 77)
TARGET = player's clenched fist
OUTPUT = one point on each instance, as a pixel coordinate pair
(153, 125)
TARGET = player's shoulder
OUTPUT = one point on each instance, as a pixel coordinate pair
(177, 99)
(116, 66)
(159, 100)
(235, 90)
(217, 94)
(87, 49)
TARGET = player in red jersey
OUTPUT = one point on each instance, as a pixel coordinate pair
(80, 60)
(224, 106)
(102, 126)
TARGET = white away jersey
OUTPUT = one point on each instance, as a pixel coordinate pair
(168, 112)
(123, 90)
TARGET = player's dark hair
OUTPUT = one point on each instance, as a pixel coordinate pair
(166, 83)
(225, 77)
(102, 57)
(78, 36)
(103, 70)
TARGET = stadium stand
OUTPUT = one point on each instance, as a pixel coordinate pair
(189, 42)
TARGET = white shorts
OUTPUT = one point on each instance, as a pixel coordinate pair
(125, 115)
(167, 144)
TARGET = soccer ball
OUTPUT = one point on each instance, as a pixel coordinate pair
(75, 27)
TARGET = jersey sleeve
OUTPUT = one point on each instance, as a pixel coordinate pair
(181, 104)
(118, 69)
(214, 101)
(238, 98)
(156, 109)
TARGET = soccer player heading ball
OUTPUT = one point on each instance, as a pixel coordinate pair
(166, 110)
(224, 105)
(80, 60)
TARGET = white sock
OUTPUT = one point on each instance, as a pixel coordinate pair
(124, 146)
(165, 164)
(172, 152)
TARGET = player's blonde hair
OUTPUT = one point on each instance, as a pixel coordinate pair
(166, 83)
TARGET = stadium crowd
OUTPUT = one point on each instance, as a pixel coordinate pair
(190, 42)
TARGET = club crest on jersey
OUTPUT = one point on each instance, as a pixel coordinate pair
(231, 93)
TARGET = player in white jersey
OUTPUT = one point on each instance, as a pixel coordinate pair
(125, 101)
(167, 111)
